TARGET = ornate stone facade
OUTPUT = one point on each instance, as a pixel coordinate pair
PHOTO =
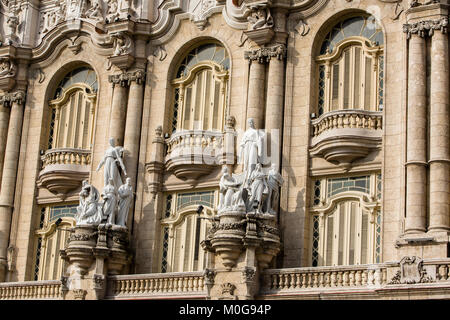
(267, 149)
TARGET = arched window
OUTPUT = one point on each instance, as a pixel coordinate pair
(200, 89)
(73, 107)
(183, 229)
(350, 67)
(52, 235)
(346, 221)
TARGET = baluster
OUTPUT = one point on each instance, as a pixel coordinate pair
(346, 279)
(151, 287)
(333, 279)
(340, 278)
(315, 279)
(352, 278)
(364, 277)
(297, 280)
(310, 282)
(371, 277)
(303, 280)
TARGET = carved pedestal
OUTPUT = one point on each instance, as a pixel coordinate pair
(92, 253)
(244, 244)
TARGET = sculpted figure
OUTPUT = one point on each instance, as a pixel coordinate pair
(7, 68)
(109, 196)
(260, 17)
(89, 211)
(125, 199)
(228, 187)
(112, 161)
(250, 148)
(95, 12)
(258, 188)
(274, 182)
(112, 13)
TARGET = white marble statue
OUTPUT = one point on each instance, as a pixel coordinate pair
(96, 10)
(274, 182)
(228, 187)
(112, 161)
(110, 202)
(125, 199)
(258, 188)
(250, 148)
(89, 211)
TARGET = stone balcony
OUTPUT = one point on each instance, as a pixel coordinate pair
(411, 278)
(64, 169)
(194, 153)
(345, 135)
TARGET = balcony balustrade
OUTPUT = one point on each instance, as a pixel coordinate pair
(64, 169)
(345, 135)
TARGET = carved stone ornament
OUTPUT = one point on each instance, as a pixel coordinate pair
(228, 289)
(209, 276)
(79, 294)
(122, 43)
(7, 68)
(264, 55)
(426, 28)
(125, 78)
(260, 17)
(15, 97)
(249, 274)
(411, 271)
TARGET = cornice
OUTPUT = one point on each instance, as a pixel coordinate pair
(426, 28)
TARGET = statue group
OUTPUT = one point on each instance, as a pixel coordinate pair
(117, 196)
(255, 189)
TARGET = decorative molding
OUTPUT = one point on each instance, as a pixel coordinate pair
(249, 274)
(411, 272)
(15, 97)
(228, 289)
(426, 27)
(264, 55)
(79, 294)
(124, 79)
(83, 236)
(8, 68)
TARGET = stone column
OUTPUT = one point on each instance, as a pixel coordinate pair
(133, 126)
(416, 165)
(4, 120)
(255, 104)
(118, 107)
(8, 185)
(275, 100)
(439, 134)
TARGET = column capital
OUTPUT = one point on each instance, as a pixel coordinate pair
(13, 97)
(426, 28)
(124, 79)
(264, 55)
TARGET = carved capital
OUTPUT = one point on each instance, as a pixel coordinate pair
(426, 27)
(17, 97)
(264, 55)
(124, 79)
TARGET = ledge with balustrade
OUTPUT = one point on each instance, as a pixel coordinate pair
(182, 285)
(194, 153)
(63, 170)
(33, 290)
(371, 281)
(345, 135)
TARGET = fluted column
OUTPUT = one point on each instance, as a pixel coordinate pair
(8, 185)
(255, 104)
(439, 134)
(416, 170)
(4, 120)
(275, 100)
(133, 126)
(118, 107)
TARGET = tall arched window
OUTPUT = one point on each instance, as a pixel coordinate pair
(200, 89)
(346, 221)
(51, 238)
(350, 66)
(73, 107)
(183, 229)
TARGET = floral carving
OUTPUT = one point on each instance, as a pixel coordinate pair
(266, 54)
(426, 27)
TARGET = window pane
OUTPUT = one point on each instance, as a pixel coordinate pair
(357, 79)
(335, 94)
